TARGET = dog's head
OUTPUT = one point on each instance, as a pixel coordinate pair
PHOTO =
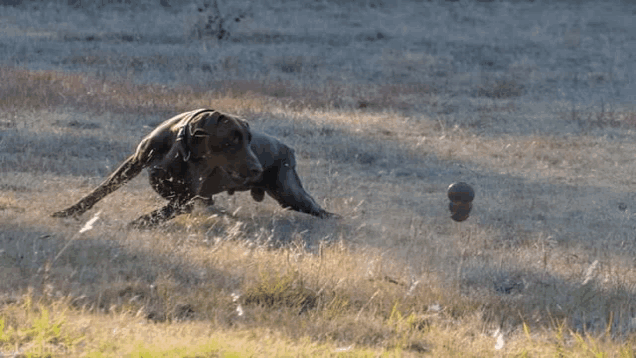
(221, 140)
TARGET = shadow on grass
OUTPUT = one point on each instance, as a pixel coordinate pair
(549, 233)
(96, 273)
(514, 215)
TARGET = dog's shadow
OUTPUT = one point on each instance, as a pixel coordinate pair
(275, 229)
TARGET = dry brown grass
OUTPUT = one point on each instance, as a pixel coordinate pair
(396, 274)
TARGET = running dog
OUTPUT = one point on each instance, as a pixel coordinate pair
(198, 154)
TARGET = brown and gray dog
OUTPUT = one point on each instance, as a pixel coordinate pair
(201, 153)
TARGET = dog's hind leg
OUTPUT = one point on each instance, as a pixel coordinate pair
(161, 215)
(128, 170)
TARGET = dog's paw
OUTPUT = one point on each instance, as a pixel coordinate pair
(143, 222)
(258, 194)
(328, 215)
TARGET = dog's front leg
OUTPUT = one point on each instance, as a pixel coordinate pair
(289, 193)
(128, 170)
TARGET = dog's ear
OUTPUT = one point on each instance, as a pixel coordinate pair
(199, 131)
(205, 120)
(198, 142)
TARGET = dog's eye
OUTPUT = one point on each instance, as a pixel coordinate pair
(223, 119)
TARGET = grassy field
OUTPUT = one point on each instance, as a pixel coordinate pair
(386, 104)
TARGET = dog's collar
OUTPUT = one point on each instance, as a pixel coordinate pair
(181, 137)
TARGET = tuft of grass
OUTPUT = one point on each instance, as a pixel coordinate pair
(40, 329)
(55, 329)
(286, 290)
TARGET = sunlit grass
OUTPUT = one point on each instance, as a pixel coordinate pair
(55, 329)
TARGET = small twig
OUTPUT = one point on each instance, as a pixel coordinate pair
(88, 226)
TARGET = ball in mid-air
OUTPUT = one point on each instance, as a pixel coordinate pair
(461, 196)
